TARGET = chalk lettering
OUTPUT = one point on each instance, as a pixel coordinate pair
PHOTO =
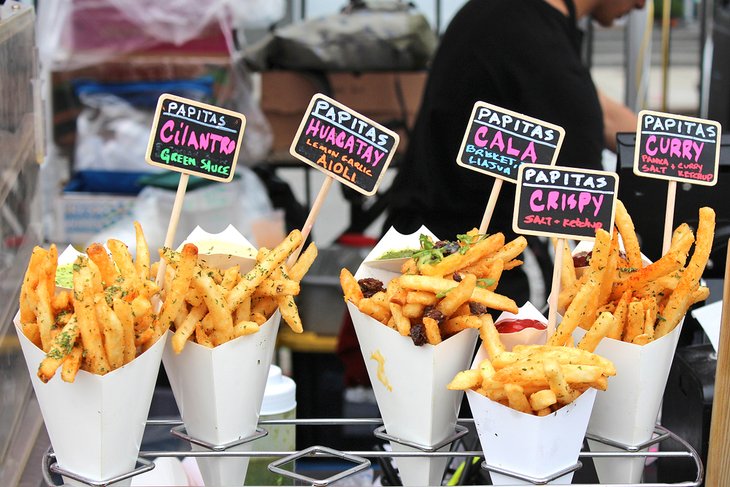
(482, 139)
(655, 160)
(674, 147)
(559, 200)
(680, 127)
(183, 135)
(343, 140)
(556, 177)
(346, 119)
(357, 165)
(538, 220)
(508, 122)
(581, 223)
(169, 156)
(650, 168)
(694, 175)
(212, 168)
(196, 113)
(338, 168)
(479, 154)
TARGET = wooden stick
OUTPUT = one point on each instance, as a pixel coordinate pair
(182, 186)
(669, 216)
(555, 287)
(490, 206)
(718, 461)
(309, 223)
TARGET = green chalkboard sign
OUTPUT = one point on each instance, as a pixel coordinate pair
(195, 138)
(344, 144)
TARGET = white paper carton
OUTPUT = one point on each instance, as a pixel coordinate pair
(96, 423)
(534, 446)
(219, 393)
(528, 336)
(224, 249)
(219, 390)
(93, 449)
(409, 382)
(627, 411)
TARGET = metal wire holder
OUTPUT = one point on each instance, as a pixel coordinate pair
(50, 466)
(360, 464)
(460, 431)
(360, 458)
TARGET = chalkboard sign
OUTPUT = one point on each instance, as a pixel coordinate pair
(677, 148)
(498, 141)
(344, 144)
(195, 138)
(564, 202)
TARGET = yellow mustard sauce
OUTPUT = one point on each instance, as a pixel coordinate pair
(378, 357)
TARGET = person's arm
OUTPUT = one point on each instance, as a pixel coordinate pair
(617, 117)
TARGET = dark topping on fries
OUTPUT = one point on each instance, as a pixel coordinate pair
(432, 312)
(477, 308)
(418, 334)
(370, 286)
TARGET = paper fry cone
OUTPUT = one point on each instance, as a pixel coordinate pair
(409, 382)
(219, 390)
(627, 411)
(96, 423)
(535, 446)
(219, 393)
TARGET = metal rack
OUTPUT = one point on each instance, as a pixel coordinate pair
(361, 459)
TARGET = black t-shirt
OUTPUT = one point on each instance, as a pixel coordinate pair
(523, 55)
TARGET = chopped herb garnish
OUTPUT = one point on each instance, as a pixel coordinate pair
(485, 282)
(443, 294)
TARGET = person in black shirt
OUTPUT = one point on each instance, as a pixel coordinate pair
(523, 55)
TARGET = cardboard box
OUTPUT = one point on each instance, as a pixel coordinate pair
(289, 92)
(285, 96)
(391, 98)
(382, 96)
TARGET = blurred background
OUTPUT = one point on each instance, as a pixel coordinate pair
(79, 83)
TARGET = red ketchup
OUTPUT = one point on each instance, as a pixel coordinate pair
(515, 325)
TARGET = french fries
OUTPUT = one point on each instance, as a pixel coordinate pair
(213, 306)
(92, 327)
(445, 288)
(646, 301)
(535, 379)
